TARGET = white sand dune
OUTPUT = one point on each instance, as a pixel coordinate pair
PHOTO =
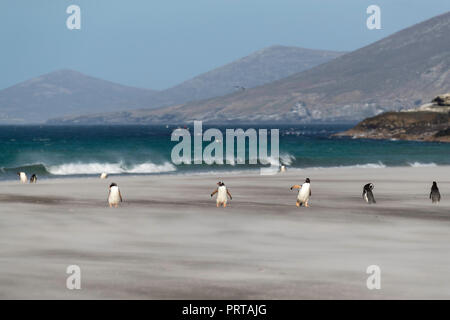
(169, 241)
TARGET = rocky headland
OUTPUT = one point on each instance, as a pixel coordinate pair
(429, 122)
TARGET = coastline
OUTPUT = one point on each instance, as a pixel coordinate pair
(233, 171)
(169, 241)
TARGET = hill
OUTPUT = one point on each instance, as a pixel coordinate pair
(261, 67)
(66, 92)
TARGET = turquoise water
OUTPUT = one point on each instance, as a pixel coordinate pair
(54, 151)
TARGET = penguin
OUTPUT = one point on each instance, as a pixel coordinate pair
(283, 169)
(222, 193)
(23, 177)
(104, 175)
(435, 195)
(114, 196)
(367, 193)
(304, 193)
(33, 178)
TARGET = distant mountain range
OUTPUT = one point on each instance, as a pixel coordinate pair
(397, 72)
(261, 67)
(67, 92)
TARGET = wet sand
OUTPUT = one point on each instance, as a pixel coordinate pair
(169, 241)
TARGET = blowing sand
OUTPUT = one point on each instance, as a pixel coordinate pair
(169, 241)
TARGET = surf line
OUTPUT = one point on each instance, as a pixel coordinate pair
(213, 152)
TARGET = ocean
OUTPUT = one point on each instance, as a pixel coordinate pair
(72, 151)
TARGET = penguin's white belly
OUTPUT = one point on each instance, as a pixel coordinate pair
(114, 196)
(23, 177)
(303, 194)
(222, 194)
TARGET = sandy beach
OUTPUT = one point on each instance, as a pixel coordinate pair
(169, 241)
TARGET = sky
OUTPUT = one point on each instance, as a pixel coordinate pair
(159, 43)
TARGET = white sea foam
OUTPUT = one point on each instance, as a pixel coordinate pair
(378, 165)
(419, 164)
(287, 159)
(111, 168)
(152, 168)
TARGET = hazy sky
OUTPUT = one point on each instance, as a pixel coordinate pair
(159, 43)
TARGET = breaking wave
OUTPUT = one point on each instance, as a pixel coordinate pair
(89, 168)
(378, 165)
(111, 168)
(420, 164)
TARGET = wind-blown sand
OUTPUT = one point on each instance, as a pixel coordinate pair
(169, 241)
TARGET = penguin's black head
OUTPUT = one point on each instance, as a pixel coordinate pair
(369, 186)
(113, 185)
(220, 183)
(434, 184)
(307, 180)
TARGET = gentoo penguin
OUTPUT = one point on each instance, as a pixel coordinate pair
(283, 169)
(33, 178)
(304, 193)
(222, 193)
(367, 193)
(435, 195)
(23, 177)
(104, 175)
(114, 196)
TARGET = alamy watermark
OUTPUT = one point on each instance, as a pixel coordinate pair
(235, 153)
(73, 21)
(374, 20)
(374, 280)
(73, 281)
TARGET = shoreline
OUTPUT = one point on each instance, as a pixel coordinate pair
(231, 172)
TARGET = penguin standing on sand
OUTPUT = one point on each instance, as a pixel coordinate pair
(222, 193)
(104, 175)
(114, 196)
(368, 194)
(304, 193)
(23, 177)
(33, 178)
(435, 195)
